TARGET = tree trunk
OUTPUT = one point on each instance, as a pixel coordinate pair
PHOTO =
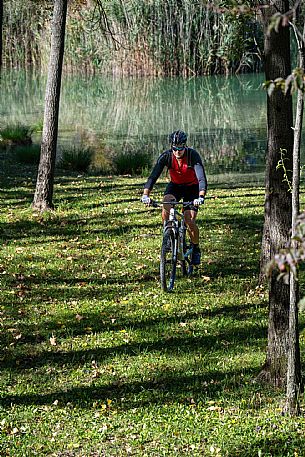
(278, 205)
(1, 32)
(294, 381)
(43, 198)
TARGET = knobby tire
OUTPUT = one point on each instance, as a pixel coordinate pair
(168, 261)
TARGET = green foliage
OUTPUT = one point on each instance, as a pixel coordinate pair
(289, 259)
(24, 25)
(132, 162)
(16, 134)
(289, 85)
(102, 162)
(29, 154)
(287, 174)
(139, 37)
(77, 159)
(38, 126)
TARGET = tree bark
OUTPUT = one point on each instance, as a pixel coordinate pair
(294, 381)
(43, 198)
(1, 32)
(278, 204)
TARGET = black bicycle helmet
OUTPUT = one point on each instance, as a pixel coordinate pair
(178, 137)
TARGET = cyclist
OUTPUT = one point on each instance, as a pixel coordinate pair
(187, 181)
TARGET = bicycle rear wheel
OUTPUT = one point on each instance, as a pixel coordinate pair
(168, 261)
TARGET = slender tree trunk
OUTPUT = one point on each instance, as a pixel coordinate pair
(294, 364)
(278, 204)
(1, 32)
(43, 198)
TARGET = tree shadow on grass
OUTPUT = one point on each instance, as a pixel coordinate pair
(280, 445)
(104, 224)
(246, 223)
(163, 387)
(38, 231)
(176, 343)
(16, 198)
(232, 254)
(51, 286)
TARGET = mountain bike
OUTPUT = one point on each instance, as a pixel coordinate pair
(174, 249)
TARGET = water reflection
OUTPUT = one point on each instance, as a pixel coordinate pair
(225, 117)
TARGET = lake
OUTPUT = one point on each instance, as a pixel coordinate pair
(225, 117)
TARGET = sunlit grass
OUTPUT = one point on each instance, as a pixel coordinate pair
(97, 360)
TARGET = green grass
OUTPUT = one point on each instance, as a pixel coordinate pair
(29, 154)
(96, 360)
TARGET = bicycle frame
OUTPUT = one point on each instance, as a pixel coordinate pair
(179, 231)
(174, 232)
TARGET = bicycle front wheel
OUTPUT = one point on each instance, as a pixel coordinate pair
(168, 261)
(182, 260)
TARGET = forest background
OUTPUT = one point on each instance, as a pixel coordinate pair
(137, 37)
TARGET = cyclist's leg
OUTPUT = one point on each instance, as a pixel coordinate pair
(190, 215)
(193, 230)
(192, 227)
(166, 208)
(171, 193)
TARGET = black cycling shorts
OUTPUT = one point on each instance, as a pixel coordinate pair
(188, 193)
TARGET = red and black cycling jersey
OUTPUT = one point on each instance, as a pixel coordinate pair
(181, 173)
(187, 171)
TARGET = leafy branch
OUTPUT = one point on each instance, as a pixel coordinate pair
(281, 164)
(289, 85)
(288, 259)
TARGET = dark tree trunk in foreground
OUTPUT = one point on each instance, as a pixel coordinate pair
(1, 32)
(278, 205)
(43, 198)
(294, 363)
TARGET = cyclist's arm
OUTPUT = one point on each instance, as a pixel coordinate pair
(156, 172)
(202, 179)
(196, 162)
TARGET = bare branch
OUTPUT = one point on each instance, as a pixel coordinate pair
(104, 23)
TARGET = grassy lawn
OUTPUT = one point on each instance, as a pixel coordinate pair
(97, 361)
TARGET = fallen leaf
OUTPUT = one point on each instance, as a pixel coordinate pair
(53, 341)
(206, 278)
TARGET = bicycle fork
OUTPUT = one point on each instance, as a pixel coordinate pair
(172, 227)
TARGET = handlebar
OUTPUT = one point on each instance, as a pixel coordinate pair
(157, 204)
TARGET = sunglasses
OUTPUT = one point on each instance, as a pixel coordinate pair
(178, 148)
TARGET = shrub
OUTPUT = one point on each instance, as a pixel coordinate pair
(38, 126)
(28, 153)
(132, 162)
(16, 134)
(102, 162)
(76, 159)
